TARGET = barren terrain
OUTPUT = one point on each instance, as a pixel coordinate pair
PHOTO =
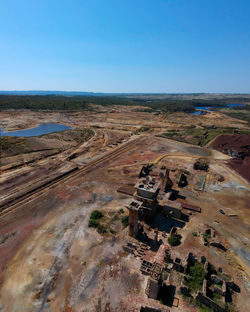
(52, 261)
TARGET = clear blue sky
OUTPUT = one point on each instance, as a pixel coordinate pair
(125, 45)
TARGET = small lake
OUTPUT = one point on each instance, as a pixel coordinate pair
(201, 110)
(39, 130)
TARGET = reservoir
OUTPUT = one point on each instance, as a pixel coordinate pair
(39, 130)
(201, 110)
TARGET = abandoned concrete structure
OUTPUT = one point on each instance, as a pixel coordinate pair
(146, 267)
(147, 189)
(167, 182)
(154, 281)
(153, 196)
(133, 217)
(146, 203)
(182, 180)
(152, 288)
(139, 210)
(145, 171)
(148, 309)
(212, 287)
(175, 210)
(154, 270)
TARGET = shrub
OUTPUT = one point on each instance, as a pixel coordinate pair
(195, 234)
(93, 223)
(114, 218)
(201, 164)
(121, 210)
(125, 221)
(165, 275)
(194, 279)
(206, 237)
(228, 307)
(174, 240)
(185, 171)
(96, 214)
(101, 229)
(204, 308)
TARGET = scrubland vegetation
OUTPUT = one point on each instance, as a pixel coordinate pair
(174, 240)
(202, 135)
(195, 277)
(51, 102)
(104, 222)
(145, 103)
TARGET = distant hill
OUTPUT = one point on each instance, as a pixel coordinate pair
(139, 96)
(45, 92)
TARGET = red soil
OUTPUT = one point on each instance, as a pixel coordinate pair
(21, 231)
(237, 143)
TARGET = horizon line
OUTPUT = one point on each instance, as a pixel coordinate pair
(138, 92)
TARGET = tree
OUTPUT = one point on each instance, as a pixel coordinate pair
(174, 240)
(93, 223)
(96, 214)
(194, 279)
(101, 229)
(125, 221)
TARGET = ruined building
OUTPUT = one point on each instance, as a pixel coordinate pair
(133, 218)
(144, 204)
(154, 281)
(147, 189)
(146, 201)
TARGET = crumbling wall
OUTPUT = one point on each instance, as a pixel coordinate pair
(152, 288)
(148, 309)
(185, 291)
(178, 267)
(218, 245)
(220, 291)
(209, 303)
(174, 212)
(146, 267)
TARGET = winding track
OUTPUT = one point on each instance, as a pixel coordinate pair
(16, 203)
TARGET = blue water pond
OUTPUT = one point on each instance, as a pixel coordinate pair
(39, 130)
(200, 110)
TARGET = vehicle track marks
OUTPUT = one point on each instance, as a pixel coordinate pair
(38, 191)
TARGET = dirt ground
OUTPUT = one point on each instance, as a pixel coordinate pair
(240, 144)
(52, 261)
